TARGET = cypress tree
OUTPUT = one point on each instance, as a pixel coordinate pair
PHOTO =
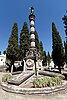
(48, 58)
(58, 52)
(24, 41)
(4, 52)
(44, 62)
(66, 52)
(65, 26)
(65, 47)
(42, 54)
(0, 52)
(12, 49)
(36, 40)
(41, 49)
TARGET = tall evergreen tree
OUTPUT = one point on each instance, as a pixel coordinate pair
(4, 52)
(44, 62)
(42, 54)
(12, 50)
(41, 49)
(66, 52)
(0, 52)
(65, 26)
(48, 58)
(36, 40)
(58, 52)
(24, 41)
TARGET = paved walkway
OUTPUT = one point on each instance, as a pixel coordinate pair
(12, 96)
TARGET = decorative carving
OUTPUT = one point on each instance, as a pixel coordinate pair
(29, 63)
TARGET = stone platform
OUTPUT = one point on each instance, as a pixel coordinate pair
(22, 84)
(46, 90)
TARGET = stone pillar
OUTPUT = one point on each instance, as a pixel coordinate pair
(11, 68)
(32, 27)
(24, 69)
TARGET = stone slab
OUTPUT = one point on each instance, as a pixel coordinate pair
(49, 73)
(17, 80)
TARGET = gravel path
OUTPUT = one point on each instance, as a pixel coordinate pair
(12, 96)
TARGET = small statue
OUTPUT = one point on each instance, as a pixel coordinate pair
(32, 10)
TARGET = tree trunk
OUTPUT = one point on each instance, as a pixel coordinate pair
(59, 67)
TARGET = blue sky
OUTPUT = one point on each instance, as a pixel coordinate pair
(46, 11)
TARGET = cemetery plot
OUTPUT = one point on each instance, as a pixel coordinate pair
(17, 80)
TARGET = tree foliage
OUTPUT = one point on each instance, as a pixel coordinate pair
(44, 62)
(42, 54)
(0, 52)
(58, 52)
(4, 52)
(24, 40)
(12, 49)
(36, 40)
(41, 49)
(65, 26)
(48, 58)
(66, 52)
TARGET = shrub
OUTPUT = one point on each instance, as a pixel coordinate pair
(36, 83)
(6, 77)
(47, 81)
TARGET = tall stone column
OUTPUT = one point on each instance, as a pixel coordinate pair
(32, 27)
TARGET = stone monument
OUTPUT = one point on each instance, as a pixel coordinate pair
(32, 63)
(31, 59)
